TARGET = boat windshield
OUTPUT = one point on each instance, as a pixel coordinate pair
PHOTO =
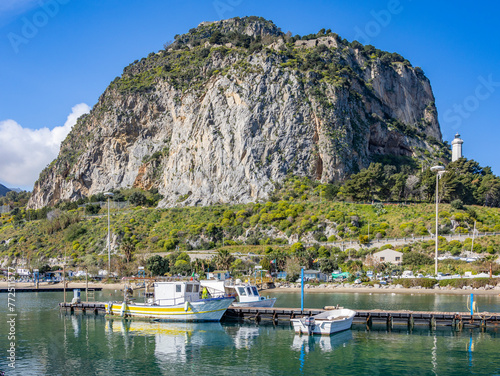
(255, 292)
(249, 291)
(241, 291)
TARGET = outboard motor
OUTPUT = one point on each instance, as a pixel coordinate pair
(309, 322)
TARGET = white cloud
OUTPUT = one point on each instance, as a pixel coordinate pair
(25, 152)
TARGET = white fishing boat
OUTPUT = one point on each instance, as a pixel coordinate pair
(174, 301)
(326, 323)
(246, 294)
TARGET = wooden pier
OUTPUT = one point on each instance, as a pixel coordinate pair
(84, 307)
(47, 289)
(456, 320)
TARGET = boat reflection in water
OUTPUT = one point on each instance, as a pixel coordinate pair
(323, 343)
(244, 336)
(174, 341)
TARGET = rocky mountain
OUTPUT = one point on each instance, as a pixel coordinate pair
(233, 106)
(3, 190)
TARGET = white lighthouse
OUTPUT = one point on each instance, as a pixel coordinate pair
(456, 148)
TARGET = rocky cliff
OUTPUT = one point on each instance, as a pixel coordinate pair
(233, 106)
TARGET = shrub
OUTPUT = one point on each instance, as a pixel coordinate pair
(414, 282)
(92, 209)
(73, 232)
(475, 282)
(457, 204)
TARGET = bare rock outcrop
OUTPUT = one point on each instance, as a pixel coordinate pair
(205, 123)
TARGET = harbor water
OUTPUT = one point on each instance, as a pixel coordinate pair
(51, 342)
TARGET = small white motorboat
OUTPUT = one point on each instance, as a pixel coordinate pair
(326, 323)
(247, 295)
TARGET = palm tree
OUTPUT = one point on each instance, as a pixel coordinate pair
(128, 248)
(223, 259)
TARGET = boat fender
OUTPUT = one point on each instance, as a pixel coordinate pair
(186, 306)
(124, 308)
(110, 308)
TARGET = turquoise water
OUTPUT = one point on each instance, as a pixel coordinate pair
(50, 342)
(416, 302)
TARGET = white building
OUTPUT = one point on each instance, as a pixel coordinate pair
(456, 148)
(389, 255)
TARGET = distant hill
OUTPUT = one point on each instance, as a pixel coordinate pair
(3, 190)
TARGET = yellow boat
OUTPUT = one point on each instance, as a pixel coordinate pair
(174, 301)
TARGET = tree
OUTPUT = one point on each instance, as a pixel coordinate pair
(292, 269)
(181, 266)
(138, 199)
(92, 209)
(157, 265)
(128, 248)
(327, 265)
(367, 184)
(411, 185)
(415, 259)
(223, 259)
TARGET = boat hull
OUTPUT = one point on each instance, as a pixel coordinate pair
(267, 303)
(203, 310)
(322, 325)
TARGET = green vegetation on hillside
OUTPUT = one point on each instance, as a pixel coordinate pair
(465, 182)
(301, 211)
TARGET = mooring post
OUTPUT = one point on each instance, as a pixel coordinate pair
(302, 289)
(433, 322)
(64, 282)
(411, 322)
(471, 304)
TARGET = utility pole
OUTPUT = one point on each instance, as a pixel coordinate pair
(439, 171)
(109, 194)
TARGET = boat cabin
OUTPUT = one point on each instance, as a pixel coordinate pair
(244, 292)
(172, 293)
(247, 293)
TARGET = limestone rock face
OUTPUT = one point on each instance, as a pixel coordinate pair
(243, 120)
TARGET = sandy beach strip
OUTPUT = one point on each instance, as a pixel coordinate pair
(313, 290)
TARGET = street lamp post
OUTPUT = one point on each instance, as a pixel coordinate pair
(108, 195)
(438, 170)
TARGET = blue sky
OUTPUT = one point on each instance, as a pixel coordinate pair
(58, 56)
